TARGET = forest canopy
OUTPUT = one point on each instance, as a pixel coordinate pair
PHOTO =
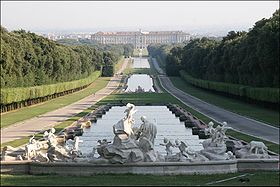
(31, 60)
(246, 58)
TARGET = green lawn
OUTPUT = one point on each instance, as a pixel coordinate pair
(139, 98)
(35, 110)
(234, 105)
(257, 178)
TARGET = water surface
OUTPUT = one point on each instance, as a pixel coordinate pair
(168, 125)
(140, 62)
(140, 80)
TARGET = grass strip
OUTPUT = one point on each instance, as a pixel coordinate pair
(254, 178)
(36, 110)
(245, 109)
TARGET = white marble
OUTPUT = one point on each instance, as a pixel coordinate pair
(168, 125)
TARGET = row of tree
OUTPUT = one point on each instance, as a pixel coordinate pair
(243, 58)
(35, 69)
(160, 51)
(248, 58)
(111, 52)
(31, 60)
(116, 49)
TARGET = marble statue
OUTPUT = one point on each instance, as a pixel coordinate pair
(185, 154)
(129, 112)
(101, 146)
(259, 147)
(124, 147)
(210, 130)
(139, 90)
(215, 148)
(168, 144)
(124, 127)
(130, 144)
(255, 149)
(32, 148)
(185, 150)
(133, 144)
(10, 153)
(50, 137)
(146, 134)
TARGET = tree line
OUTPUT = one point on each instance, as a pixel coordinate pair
(245, 58)
(35, 69)
(116, 49)
(31, 60)
(160, 52)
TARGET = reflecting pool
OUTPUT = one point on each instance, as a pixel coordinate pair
(137, 81)
(140, 62)
(168, 125)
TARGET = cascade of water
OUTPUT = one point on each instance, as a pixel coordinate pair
(167, 126)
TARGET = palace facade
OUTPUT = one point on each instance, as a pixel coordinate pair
(141, 39)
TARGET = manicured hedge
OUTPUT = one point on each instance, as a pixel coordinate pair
(14, 95)
(260, 94)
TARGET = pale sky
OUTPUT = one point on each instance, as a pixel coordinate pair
(133, 15)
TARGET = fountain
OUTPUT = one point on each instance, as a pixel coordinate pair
(133, 146)
(140, 62)
(140, 83)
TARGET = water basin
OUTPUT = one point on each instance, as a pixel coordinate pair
(168, 125)
(140, 62)
(140, 82)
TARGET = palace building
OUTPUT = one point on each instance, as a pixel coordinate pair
(141, 39)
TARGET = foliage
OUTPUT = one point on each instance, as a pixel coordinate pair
(233, 104)
(260, 94)
(160, 51)
(34, 67)
(117, 49)
(111, 52)
(250, 59)
(242, 63)
(108, 69)
(241, 58)
(53, 104)
(11, 95)
(30, 60)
